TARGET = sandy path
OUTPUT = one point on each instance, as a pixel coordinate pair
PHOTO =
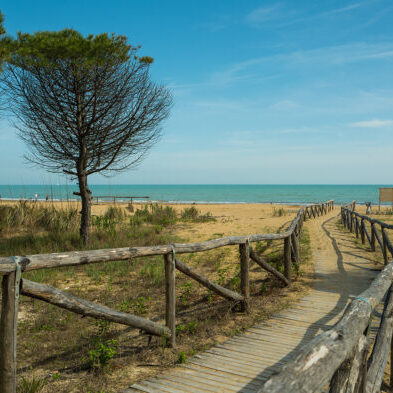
(242, 363)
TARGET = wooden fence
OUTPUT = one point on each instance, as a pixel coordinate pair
(340, 357)
(13, 284)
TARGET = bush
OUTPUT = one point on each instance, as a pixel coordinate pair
(193, 214)
(102, 353)
(155, 214)
(115, 213)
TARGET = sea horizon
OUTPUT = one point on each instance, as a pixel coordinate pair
(203, 193)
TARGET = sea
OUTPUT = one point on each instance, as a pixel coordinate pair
(203, 193)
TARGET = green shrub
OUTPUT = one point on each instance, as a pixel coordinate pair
(155, 214)
(193, 214)
(102, 353)
(115, 213)
(182, 357)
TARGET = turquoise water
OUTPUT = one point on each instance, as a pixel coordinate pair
(208, 193)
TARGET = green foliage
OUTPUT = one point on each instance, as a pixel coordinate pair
(56, 376)
(31, 385)
(187, 287)
(140, 305)
(4, 41)
(2, 30)
(102, 353)
(182, 357)
(50, 48)
(189, 328)
(193, 214)
(115, 213)
(103, 349)
(155, 214)
(154, 270)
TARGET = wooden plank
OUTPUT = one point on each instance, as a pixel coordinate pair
(188, 383)
(224, 375)
(226, 368)
(214, 377)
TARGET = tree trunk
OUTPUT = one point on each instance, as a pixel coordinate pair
(86, 209)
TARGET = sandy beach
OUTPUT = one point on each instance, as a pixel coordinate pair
(230, 219)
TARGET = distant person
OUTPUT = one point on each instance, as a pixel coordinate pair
(47, 197)
(36, 197)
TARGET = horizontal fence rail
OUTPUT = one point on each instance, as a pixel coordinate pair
(340, 357)
(13, 284)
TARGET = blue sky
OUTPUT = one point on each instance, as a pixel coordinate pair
(264, 91)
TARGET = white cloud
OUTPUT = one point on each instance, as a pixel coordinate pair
(263, 14)
(338, 55)
(374, 123)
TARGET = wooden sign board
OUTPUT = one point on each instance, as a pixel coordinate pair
(385, 195)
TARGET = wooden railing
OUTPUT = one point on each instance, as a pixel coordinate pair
(376, 232)
(340, 357)
(13, 284)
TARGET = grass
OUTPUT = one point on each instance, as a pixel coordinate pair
(279, 212)
(98, 356)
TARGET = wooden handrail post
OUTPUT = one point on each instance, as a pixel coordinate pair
(8, 332)
(287, 257)
(372, 243)
(170, 296)
(362, 224)
(385, 246)
(295, 245)
(244, 251)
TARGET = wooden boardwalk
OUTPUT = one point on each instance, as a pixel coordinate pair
(243, 362)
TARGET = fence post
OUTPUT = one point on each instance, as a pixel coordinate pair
(287, 257)
(295, 243)
(244, 251)
(385, 246)
(8, 331)
(372, 244)
(362, 235)
(170, 296)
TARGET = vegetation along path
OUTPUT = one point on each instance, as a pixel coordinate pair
(244, 362)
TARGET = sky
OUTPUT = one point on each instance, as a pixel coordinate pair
(265, 92)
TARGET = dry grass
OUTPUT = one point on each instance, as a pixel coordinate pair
(62, 348)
